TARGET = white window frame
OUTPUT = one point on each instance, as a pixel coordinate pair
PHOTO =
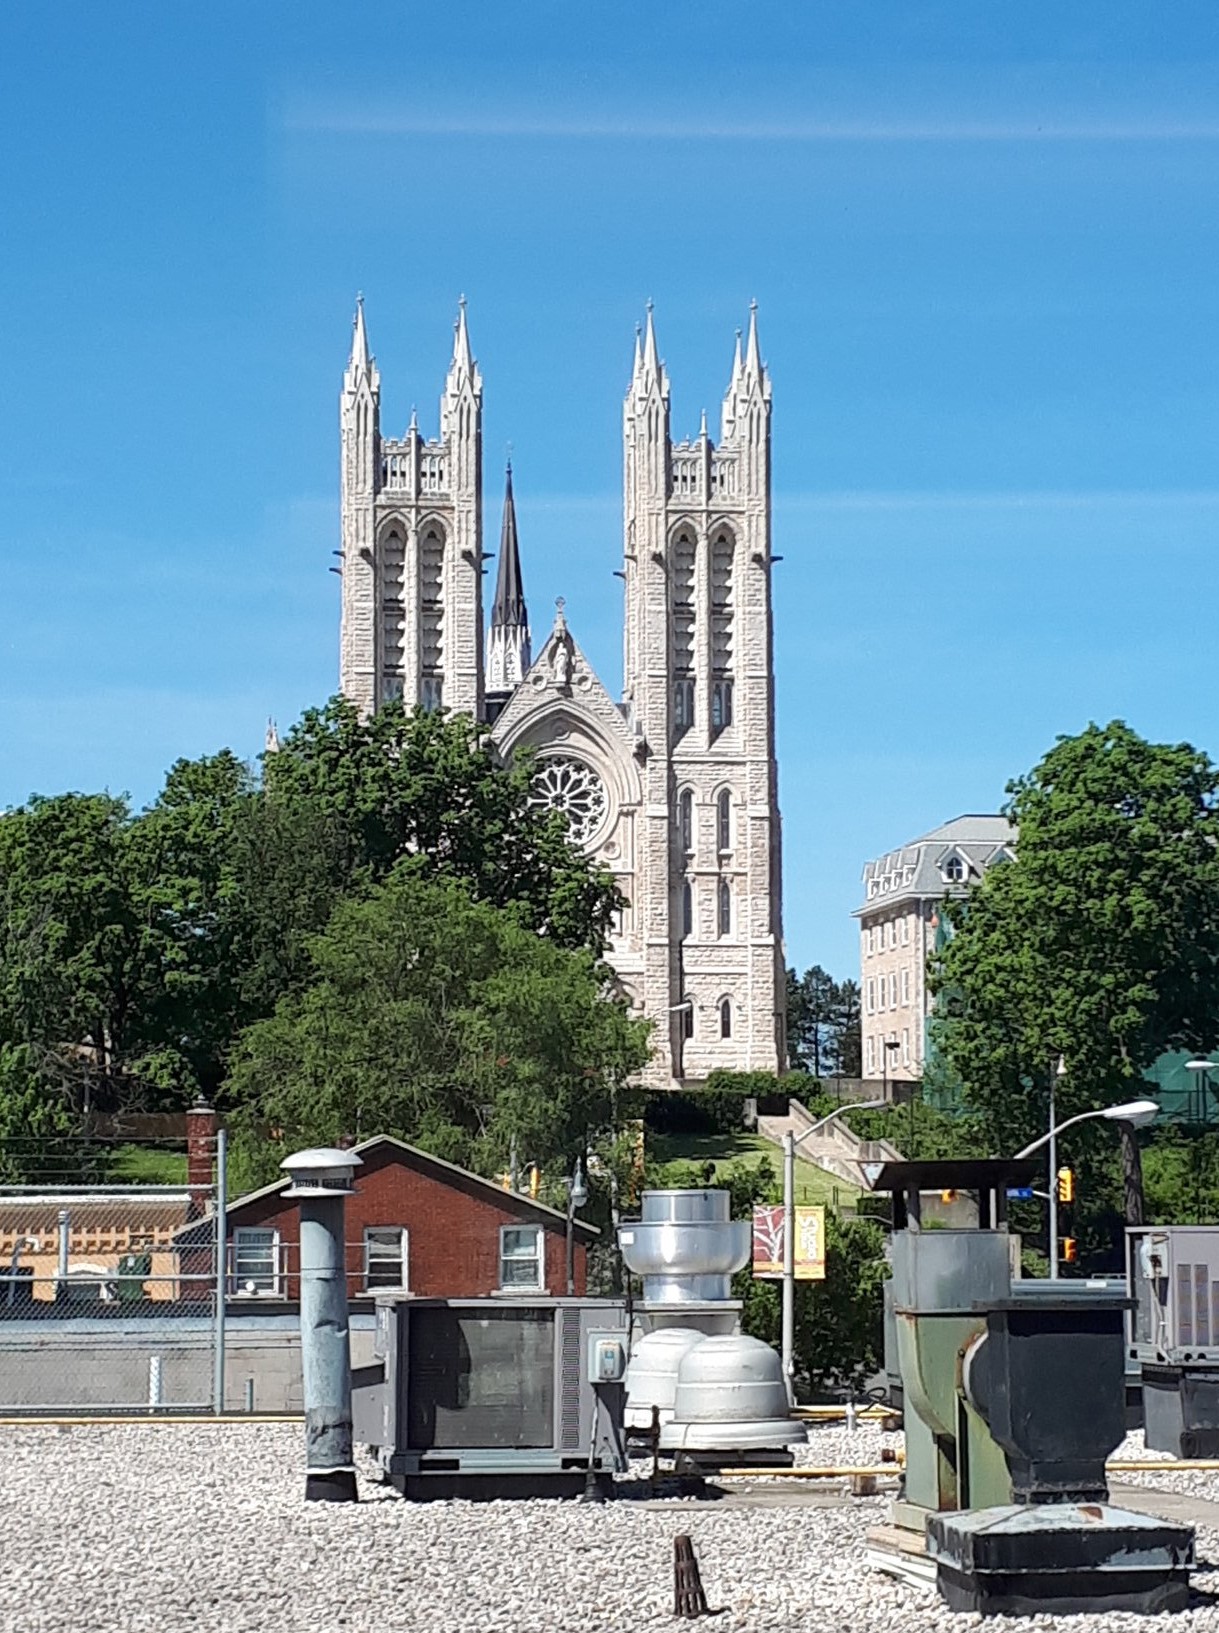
(867, 943)
(906, 984)
(404, 1257)
(905, 1046)
(871, 1056)
(538, 1254)
(275, 1290)
(904, 931)
(893, 990)
(871, 995)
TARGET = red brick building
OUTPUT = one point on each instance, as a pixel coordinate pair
(415, 1222)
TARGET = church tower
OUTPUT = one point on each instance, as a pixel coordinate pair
(411, 558)
(698, 683)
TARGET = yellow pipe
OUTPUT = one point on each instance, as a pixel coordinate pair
(111, 1422)
(1162, 1465)
(839, 1473)
(834, 1413)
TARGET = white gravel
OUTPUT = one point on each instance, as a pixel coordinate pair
(160, 1528)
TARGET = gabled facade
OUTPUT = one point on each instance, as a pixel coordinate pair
(900, 923)
(674, 789)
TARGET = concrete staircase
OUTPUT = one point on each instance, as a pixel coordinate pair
(833, 1147)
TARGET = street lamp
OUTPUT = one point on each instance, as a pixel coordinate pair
(1138, 1113)
(1200, 1069)
(577, 1196)
(790, 1142)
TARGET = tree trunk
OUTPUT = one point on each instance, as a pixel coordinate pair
(1132, 1175)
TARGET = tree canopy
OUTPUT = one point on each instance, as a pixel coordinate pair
(135, 947)
(447, 1022)
(1098, 943)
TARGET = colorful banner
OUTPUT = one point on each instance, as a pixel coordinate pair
(768, 1234)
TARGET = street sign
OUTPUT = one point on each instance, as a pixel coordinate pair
(1022, 1193)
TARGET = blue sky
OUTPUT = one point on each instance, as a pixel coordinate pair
(983, 241)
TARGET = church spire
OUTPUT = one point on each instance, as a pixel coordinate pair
(651, 363)
(753, 357)
(463, 362)
(359, 339)
(508, 608)
(508, 654)
(361, 367)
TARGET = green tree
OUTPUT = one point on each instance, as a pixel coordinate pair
(847, 1058)
(426, 791)
(1099, 942)
(75, 964)
(445, 1021)
(811, 1041)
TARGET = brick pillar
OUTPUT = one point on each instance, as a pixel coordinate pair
(200, 1156)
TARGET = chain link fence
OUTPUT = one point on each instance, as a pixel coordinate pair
(109, 1296)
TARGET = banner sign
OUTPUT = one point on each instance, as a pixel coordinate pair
(768, 1234)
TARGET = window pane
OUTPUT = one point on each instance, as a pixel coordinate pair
(517, 1242)
(254, 1259)
(520, 1256)
(385, 1257)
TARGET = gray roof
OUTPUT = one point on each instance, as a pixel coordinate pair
(917, 871)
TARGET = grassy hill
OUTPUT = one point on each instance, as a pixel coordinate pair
(813, 1184)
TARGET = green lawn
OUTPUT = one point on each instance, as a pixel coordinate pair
(813, 1184)
(146, 1165)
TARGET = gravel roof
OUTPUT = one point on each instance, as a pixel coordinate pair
(161, 1528)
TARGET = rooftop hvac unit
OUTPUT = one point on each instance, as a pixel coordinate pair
(495, 1397)
(1174, 1335)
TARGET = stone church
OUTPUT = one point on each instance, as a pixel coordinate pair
(673, 790)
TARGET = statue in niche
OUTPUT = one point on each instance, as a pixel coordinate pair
(562, 665)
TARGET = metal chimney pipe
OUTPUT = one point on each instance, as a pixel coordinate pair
(321, 1179)
(65, 1231)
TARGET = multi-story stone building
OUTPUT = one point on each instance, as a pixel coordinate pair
(673, 789)
(899, 924)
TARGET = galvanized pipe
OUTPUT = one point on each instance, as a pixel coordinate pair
(330, 1474)
(65, 1229)
(221, 1268)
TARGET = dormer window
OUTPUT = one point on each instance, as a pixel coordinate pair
(954, 870)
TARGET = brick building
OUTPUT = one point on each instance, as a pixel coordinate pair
(415, 1222)
(901, 925)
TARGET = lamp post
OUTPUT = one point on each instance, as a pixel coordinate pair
(1138, 1113)
(1200, 1070)
(577, 1196)
(790, 1142)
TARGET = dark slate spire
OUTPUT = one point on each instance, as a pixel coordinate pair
(508, 610)
(508, 655)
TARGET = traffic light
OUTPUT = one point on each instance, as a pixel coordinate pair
(1066, 1185)
(1070, 1250)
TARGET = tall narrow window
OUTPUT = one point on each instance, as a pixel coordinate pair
(721, 705)
(722, 632)
(723, 821)
(681, 580)
(685, 809)
(725, 908)
(393, 625)
(431, 617)
(687, 909)
(725, 1017)
(687, 1018)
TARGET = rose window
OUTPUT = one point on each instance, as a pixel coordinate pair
(570, 786)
